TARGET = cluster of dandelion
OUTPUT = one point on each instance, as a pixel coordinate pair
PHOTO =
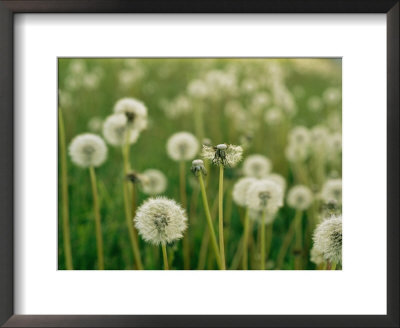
(243, 184)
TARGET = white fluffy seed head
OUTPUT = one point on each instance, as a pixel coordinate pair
(116, 128)
(227, 155)
(278, 179)
(273, 116)
(299, 136)
(328, 239)
(332, 191)
(240, 189)
(264, 195)
(88, 150)
(134, 110)
(160, 220)
(297, 153)
(300, 197)
(154, 182)
(182, 146)
(257, 166)
(316, 256)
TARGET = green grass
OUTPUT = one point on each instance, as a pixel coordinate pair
(165, 79)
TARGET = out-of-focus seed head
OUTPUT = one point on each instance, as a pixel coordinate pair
(116, 130)
(182, 146)
(300, 197)
(154, 182)
(88, 150)
(240, 189)
(257, 166)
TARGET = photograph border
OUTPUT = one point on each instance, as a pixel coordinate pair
(7, 10)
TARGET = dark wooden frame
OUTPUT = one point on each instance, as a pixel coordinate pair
(7, 11)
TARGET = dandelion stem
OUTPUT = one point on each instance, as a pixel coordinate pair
(165, 257)
(245, 240)
(262, 257)
(64, 192)
(128, 217)
(298, 241)
(182, 188)
(99, 238)
(268, 240)
(209, 221)
(333, 266)
(285, 245)
(220, 215)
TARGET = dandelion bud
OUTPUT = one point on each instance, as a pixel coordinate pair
(88, 150)
(116, 128)
(257, 166)
(332, 191)
(264, 195)
(227, 155)
(328, 239)
(198, 167)
(240, 189)
(160, 221)
(154, 182)
(135, 112)
(300, 197)
(182, 146)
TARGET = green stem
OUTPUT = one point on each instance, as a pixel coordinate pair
(209, 221)
(298, 240)
(245, 240)
(220, 215)
(333, 266)
(99, 238)
(165, 257)
(64, 192)
(285, 245)
(182, 188)
(262, 243)
(128, 218)
(268, 240)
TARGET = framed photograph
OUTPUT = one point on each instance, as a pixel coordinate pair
(218, 164)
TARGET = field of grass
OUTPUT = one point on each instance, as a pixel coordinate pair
(254, 103)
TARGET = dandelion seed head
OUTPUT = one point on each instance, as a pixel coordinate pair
(240, 189)
(300, 135)
(300, 197)
(332, 96)
(227, 155)
(278, 179)
(257, 166)
(160, 221)
(264, 195)
(296, 153)
(182, 146)
(116, 130)
(88, 150)
(134, 110)
(316, 256)
(273, 116)
(332, 191)
(197, 89)
(154, 182)
(328, 239)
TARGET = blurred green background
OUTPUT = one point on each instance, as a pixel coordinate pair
(90, 87)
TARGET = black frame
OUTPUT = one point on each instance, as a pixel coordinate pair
(10, 7)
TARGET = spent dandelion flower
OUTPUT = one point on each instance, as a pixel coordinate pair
(135, 112)
(198, 167)
(257, 166)
(328, 239)
(88, 150)
(182, 146)
(116, 130)
(300, 197)
(161, 221)
(153, 182)
(226, 155)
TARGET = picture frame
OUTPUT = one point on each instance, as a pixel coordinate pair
(9, 8)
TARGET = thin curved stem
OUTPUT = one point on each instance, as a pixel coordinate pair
(165, 256)
(64, 193)
(221, 215)
(285, 245)
(185, 241)
(245, 240)
(298, 240)
(99, 237)
(262, 243)
(209, 221)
